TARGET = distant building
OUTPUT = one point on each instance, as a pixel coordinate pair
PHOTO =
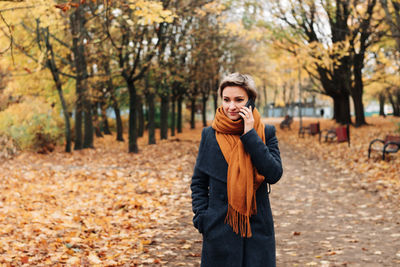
(372, 108)
(310, 108)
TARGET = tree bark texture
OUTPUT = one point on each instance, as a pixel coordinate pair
(173, 116)
(133, 131)
(215, 98)
(192, 113)
(341, 104)
(179, 115)
(204, 110)
(151, 126)
(104, 120)
(51, 64)
(111, 89)
(77, 21)
(140, 116)
(382, 99)
(118, 119)
(164, 117)
(96, 121)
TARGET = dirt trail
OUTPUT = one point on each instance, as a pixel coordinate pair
(322, 218)
(325, 218)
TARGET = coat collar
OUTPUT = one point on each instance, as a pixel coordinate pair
(211, 160)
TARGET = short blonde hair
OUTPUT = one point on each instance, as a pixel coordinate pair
(243, 81)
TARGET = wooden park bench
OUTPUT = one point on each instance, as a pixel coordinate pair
(391, 144)
(338, 134)
(312, 129)
(287, 121)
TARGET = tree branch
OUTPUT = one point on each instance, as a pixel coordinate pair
(11, 39)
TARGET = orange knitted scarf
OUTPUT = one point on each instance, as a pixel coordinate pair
(242, 179)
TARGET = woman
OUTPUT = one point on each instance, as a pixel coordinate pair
(238, 157)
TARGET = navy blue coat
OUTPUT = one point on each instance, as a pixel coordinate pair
(221, 246)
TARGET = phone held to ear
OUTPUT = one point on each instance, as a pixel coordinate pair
(249, 104)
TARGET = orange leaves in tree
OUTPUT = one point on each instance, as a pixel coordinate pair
(64, 7)
(67, 6)
(27, 70)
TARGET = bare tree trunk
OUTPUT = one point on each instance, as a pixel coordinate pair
(56, 77)
(88, 122)
(114, 101)
(204, 110)
(78, 126)
(140, 116)
(106, 127)
(284, 101)
(359, 108)
(66, 120)
(133, 133)
(342, 109)
(397, 114)
(394, 99)
(215, 98)
(164, 117)
(173, 115)
(382, 104)
(83, 104)
(96, 121)
(179, 118)
(151, 127)
(118, 119)
(193, 113)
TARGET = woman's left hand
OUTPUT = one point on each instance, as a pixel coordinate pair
(247, 115)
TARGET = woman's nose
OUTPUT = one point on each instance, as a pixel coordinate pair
(232, 105)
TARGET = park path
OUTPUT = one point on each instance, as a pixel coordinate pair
(323, 217)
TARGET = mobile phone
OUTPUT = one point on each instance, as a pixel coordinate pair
(249, 104)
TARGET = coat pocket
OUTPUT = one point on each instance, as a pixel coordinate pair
(214, 224)
(198, 221)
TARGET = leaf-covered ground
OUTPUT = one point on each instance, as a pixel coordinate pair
(376, 174)
(106, 207)
(324, 216)
(99, 206)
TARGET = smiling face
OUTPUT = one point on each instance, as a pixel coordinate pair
(233, 98)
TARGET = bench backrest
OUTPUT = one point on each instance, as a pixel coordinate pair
(342, 134)
(392, 138)
(287, 120)
(314, 128)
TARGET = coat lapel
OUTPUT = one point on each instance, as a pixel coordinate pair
(211, 160)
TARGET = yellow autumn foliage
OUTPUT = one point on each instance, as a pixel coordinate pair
(31, 124)
(149, 12)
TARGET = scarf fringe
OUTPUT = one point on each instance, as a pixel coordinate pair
(240, 223)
